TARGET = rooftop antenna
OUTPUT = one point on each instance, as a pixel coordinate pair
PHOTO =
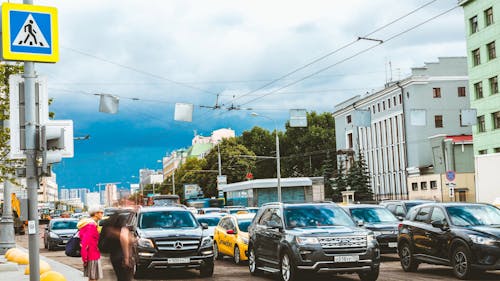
(390, 71)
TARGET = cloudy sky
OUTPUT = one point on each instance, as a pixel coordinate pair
(155, 53)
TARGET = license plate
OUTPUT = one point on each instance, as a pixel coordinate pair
(393, 244)
(65, 241)
(178, 260)
(346, 258)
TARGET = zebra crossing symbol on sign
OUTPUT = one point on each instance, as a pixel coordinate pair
(30, 35)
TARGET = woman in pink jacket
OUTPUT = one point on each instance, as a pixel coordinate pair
(89, 238)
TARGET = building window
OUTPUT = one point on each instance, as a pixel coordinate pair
(394, 100)
(461, 91)
(349, 140)
(497, 149)
(482, 151)
(476, 57)
(496, 120)
(383, 105)
(478, 90)
(436, 92)
(378, 105)
(473, 25)
(414, 186)
(389, 103)
(434, 185)
(373, 109)
(348, 119)
(423, 185)
(481, 125)
(491, 50)
(493, 85)
(488, 16)
(438, 121)
(400, 99)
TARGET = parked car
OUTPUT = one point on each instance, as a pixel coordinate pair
(171, 237)
(401, 207)
(58, 232)
(236, 209)
(211, 220)
(231, 237)
(291, 239)
(465, 236)
(210, 210)
(379, 220)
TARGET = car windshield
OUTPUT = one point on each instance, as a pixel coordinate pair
(210, 221)
(472, 215)
(167, 219)
(373, 215)
(243, 225)
(316, 215)
(58, 225)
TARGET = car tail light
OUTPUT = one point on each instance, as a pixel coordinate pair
(400, 226)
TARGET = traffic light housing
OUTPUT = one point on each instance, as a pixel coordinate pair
(56, 142)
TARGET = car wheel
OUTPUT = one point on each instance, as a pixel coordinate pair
(217, 254)
(207, 269)
(253, 266)
(408, 262)
(461, 262)
(288, 271)
(371, 275)
(236, 254)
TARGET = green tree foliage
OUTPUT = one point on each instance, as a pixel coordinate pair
(262, 143)
(190, 172)
(234, 166)
(359, 180)
(305, 150)
(339, 183)
(328, 173)
(6, 164)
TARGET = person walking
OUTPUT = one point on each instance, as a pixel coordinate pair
(118, 241)
(89, 238)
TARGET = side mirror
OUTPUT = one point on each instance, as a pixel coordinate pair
(440, 224)
(230, 231)
(273, 225)
(360, 223)
(401, 218)
(204, 225)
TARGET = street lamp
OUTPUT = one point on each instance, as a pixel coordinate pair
(278, 168)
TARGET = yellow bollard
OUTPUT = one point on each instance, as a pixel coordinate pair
(22, 259)
(12, 252)
(44, 267)
(52, 276)
(14, 255)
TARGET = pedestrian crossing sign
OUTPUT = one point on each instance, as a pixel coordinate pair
(29, 33)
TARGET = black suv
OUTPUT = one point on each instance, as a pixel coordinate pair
(465, 236)
(401, 207)
(291, 239)
(379, 220)
(171, 237)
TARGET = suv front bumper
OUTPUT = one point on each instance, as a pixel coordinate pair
(154, 261)
(318, 261)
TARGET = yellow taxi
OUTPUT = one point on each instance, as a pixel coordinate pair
(231, 237)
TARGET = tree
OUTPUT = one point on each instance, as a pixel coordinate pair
(359, 179)
(262, 143)
(339, 183)
(304, 150)
(235, 164)
(328, 170)
(190, 172)
(6, 165)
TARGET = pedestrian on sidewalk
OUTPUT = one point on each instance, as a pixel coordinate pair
(89, 238)
(116, 238)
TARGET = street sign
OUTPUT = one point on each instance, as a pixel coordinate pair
(451, 186)
(29, 33)
(450, 175)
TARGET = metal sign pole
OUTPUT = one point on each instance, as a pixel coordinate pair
(31, 167)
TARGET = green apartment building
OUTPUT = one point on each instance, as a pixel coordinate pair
(482, 22)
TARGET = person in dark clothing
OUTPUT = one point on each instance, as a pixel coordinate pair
(119, 242)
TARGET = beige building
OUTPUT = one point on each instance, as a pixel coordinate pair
(450, 153)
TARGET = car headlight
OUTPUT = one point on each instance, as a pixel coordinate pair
(145, 243)
(307, 240)
(53, 235)
(481, 240)
(244, 240)
(206, 242)
(370, 238)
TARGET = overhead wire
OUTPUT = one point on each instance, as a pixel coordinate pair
(334, 51)
(350, 57)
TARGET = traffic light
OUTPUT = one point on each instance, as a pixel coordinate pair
(56, 142)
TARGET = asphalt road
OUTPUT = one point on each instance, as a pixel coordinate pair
(227, 270)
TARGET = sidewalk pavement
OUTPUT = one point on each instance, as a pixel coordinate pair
(70, 273)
